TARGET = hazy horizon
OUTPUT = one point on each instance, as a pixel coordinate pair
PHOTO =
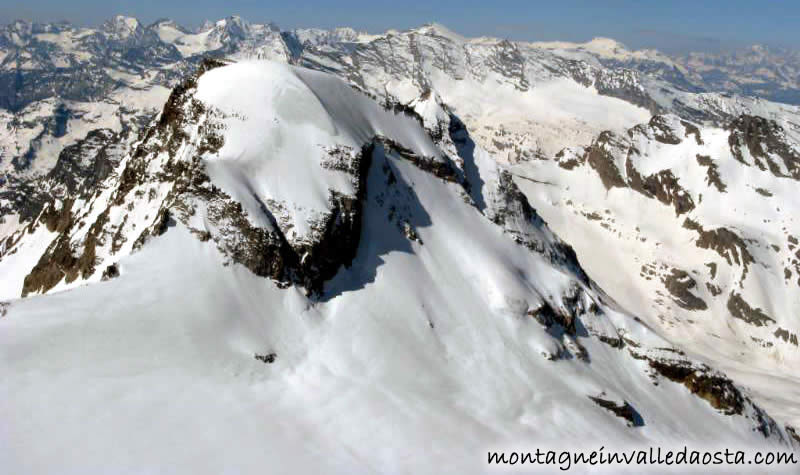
(676, 28)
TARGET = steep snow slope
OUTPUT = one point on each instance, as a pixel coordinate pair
(305, 116)
(156, 368)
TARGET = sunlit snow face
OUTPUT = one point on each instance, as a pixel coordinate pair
(280, 123)
(263, 97)
(275, 133)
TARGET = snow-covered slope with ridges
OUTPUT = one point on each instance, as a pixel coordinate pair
(459, 315)
(699, 232)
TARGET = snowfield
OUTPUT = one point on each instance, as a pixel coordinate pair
(155, 372)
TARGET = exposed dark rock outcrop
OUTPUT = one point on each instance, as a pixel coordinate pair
(679, 283)
(786, 336)
(599, 157)
(691, 129)
(662, 186)
(715, 388)
(765, 141)
(706, 383)
(440, 167)
(268, 358)
(563, 321)
(712, 172)
(662, 132)
(624, 410)
(793, 434)
(609, 150)
(340, 230)
(63, 260)
(569, 163)
(111, 272)
(547, 316)
(740, 309)
(725, 242)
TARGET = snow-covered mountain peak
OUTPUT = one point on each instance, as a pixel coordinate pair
(607, 50)
(233, 24)
(122, 27)
(437, 29)
(602, 45)
(227, 31)
(286, 132)
(164, 23)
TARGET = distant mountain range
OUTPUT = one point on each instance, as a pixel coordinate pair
(37, 58)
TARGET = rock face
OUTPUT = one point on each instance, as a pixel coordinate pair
(763, 143)
(679, 284)
(611, 154)
(624, 410)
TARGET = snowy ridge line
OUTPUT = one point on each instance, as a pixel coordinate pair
(169, 135)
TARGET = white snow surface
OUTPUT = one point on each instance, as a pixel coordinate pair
(422, 363)
(554, 114)
(280, 123)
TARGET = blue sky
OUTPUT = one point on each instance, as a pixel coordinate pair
(670, 25)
